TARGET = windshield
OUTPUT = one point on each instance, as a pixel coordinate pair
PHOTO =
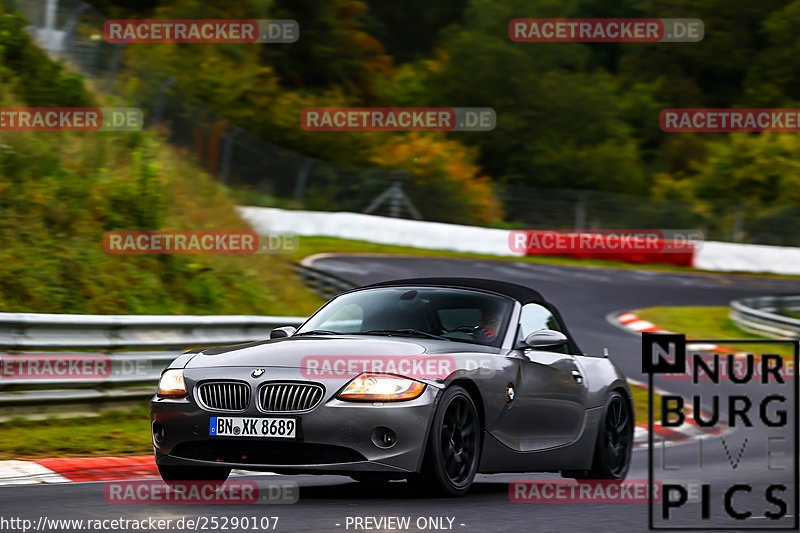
(452, 314)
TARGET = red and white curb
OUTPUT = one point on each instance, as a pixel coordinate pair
(88, 469)
(27, 473)
(632, 322)
(689, 430)
(84, 469)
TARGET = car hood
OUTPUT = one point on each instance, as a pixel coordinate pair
(291, 352)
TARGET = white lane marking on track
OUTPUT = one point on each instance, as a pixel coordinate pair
(27, 473)
(590, 275)
(516, 272)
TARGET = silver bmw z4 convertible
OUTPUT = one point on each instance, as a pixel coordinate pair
(431, 380)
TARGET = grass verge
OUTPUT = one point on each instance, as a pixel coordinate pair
(311, 245)
(61, 192)
(707, 323)
(639, 395)
(114, 433)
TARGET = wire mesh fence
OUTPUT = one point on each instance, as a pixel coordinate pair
(262, 172)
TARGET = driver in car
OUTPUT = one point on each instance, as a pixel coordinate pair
(489, 328)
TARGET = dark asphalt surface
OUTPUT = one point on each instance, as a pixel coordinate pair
(585, 296)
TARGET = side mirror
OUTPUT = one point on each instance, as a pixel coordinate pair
(545, 338)
(279, 333)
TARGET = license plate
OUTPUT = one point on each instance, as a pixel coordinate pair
(228, 426)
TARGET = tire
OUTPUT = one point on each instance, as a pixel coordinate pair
(614, 446)
(453, 449)
(174, 474)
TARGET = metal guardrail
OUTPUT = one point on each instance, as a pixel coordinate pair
(108, 353)
(762, 315)
(117, 357)
(324, 284)
(33, 331)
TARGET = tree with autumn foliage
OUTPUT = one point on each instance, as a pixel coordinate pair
(443, 180)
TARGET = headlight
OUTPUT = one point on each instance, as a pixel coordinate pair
(381, 388)
(171, 384)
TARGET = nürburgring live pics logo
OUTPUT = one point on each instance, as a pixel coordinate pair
(747, 478)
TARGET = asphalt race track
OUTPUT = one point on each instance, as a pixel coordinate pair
(585, 296)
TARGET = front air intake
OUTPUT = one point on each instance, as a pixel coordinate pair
(231, 396)
(289, 397)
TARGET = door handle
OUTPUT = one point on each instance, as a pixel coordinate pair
(577, 376)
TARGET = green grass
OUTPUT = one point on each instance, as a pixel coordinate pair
(67, 191)
(113, 433)
(706, 323)
(640, 404)
(314, 245)
(310, 245)
(60, 192)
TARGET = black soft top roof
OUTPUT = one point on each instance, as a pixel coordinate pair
(518, 292)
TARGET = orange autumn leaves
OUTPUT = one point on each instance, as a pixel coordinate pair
(444, 168)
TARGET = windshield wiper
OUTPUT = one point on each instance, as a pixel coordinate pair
(404, 331)
(317, 332)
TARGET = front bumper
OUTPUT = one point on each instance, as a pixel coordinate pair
(334, 437)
